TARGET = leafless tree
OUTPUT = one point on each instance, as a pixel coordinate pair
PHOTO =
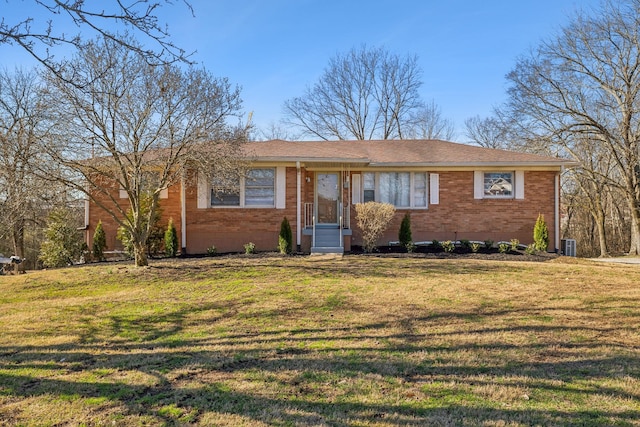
(53, 26)
(139, 127)
(23, 196)
(364, 94)
(428, 122)
(585, 85)
(487, 132)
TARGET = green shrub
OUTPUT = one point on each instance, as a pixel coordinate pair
(531, 249)
(411, 247)
(475, 247)
(514, 244)
(250, 248)
(488, 244)
(465, 245)
(404, 235)
(503, 248)
(436, 245)
(448, 246)
(285, 239)
(171, 239)
(212, 250)
(63, 243)
(99, 243)
(541, 234)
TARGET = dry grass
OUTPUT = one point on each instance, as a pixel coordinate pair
(297, 341)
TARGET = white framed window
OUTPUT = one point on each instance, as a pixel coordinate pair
(401, 189)
(499, 184)
(256, 189)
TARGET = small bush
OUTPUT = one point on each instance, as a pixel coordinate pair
(404, 235)
(475, 247)
(503, 248)
(99, 243)
(465, 245)
(541, 234)
(171, 239)
(285, 239)
(488, 244)
(531, 249)
(411, 247)
(514, 244)
(448, 246)
(249, 248)
(212, 250)
(63, 243)
(373, 219)
(436, 245)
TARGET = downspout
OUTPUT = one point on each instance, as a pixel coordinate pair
(86, 221)
(557, 212)
(183, 216)
(298, 202)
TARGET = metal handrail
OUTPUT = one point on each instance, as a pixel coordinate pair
(313, 235)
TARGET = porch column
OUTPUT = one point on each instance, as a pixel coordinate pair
(298, 201)
(183, 216)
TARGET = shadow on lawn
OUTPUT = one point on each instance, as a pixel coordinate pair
(190, 374)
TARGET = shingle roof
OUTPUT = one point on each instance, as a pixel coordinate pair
(395, 153)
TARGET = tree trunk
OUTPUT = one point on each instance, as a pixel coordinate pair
(634, 248)
(140, 254)
(602, 234)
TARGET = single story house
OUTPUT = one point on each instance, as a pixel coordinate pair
(452, 191)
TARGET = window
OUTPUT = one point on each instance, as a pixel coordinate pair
(498, 184)
(257, 188)
(401, 189)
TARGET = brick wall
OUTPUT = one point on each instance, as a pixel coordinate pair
(457, 216)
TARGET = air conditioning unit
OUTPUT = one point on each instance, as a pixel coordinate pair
(568, 247)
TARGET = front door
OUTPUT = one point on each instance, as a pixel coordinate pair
(327, 197)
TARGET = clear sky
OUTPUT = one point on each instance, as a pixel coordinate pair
(274, 49)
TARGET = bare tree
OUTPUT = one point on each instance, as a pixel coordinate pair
(41, 36)
(23, 197)
(487, 132)
(138, 127)
(365, 94)
(429, 123)
(585, 85)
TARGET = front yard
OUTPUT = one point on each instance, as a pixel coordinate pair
(301, 341)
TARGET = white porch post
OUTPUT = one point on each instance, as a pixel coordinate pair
(298, 202)
(183, 216)
(557, 213)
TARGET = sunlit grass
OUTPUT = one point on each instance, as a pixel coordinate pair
(299, 341)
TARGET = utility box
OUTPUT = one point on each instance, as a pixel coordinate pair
(568, 247)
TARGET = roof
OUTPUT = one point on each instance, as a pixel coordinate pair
(395, 153)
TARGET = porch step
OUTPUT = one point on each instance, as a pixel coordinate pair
(327, 241)
(327, 250)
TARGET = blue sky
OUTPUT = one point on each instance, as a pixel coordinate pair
(274, 49)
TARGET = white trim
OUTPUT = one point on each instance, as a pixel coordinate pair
(281, 187)
(557, 212)
(164, 193)
(478, 184)
(203, 191)
(356, 188)
(123, 193)
(298, 203)
(519, 184)
(183, 215)
(434, 189)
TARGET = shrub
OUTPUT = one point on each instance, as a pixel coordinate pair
(411, 247)
(448, 246)
(465, 245)
(541, 234)
(514, 244)
(404, 235)
(285, 239)
(171, 239)
(436, 245)
(503, 248)
(488, 244)
(212, 250)
(63, 243)
(475, 247)
(250, 248)
(99, 243)
(373, 219)
(531, 249)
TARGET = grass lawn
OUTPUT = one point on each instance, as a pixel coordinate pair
(362, 341)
